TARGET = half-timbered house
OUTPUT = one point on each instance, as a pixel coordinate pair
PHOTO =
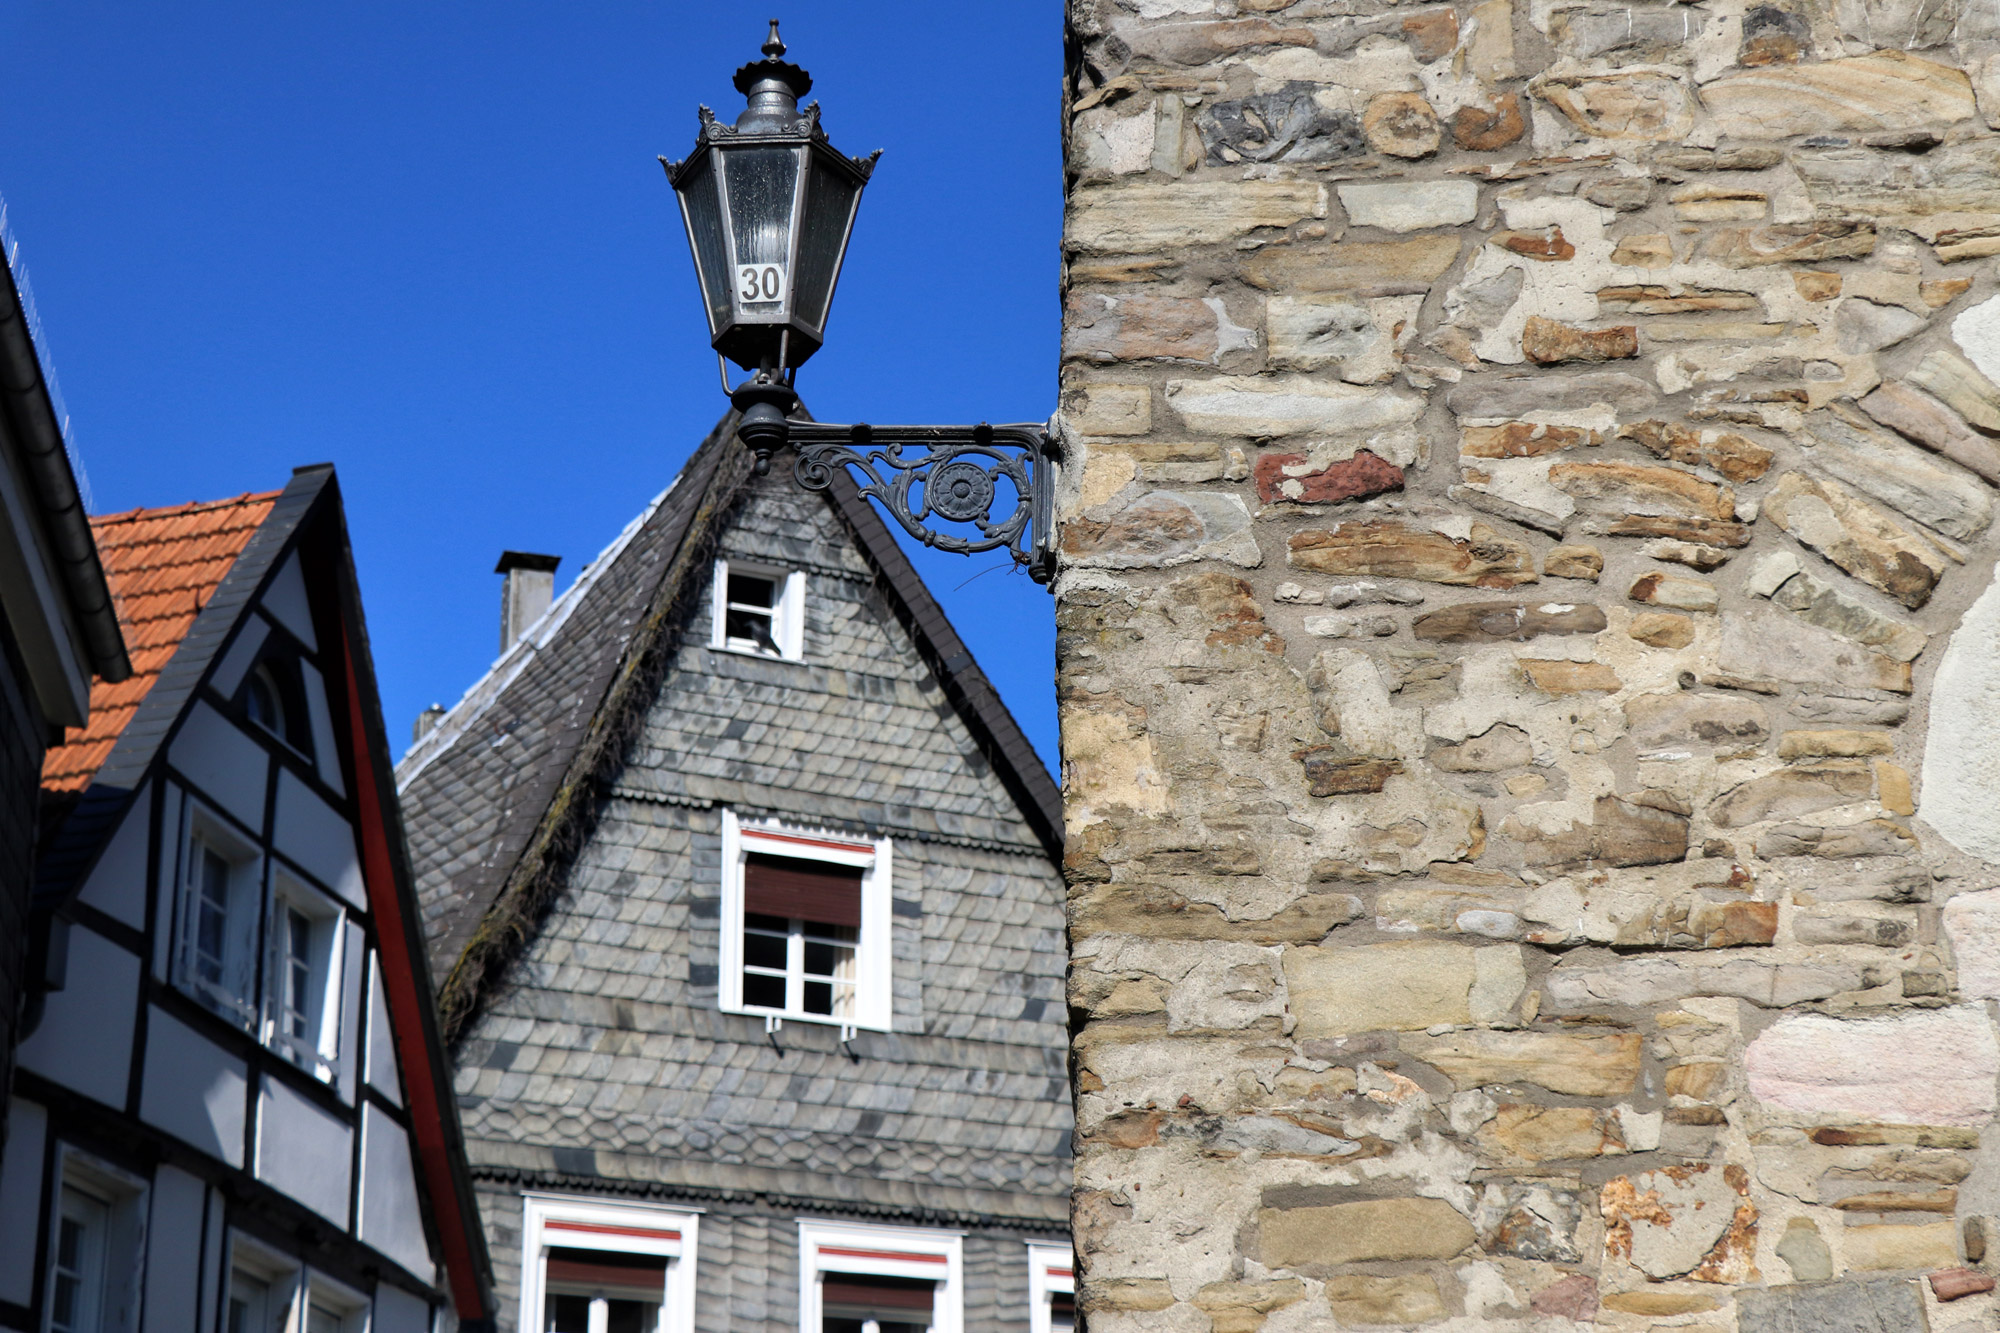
(741, 887)
(231, 1112)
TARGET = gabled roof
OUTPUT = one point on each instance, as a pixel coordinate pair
(502, 792)
(194, 572)
(33, 445)
(164, 566)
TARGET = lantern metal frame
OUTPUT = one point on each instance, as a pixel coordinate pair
(919, 474)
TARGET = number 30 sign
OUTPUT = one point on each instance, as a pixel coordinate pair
(760, 282)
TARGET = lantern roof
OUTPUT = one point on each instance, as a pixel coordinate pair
(772, 69)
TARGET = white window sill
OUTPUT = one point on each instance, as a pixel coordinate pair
(773, 1016)
(758, 653)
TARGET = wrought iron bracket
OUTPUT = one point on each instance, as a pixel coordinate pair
(955, 474)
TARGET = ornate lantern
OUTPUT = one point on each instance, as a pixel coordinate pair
(769, 205)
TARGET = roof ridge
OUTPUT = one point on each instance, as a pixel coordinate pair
(484, 692)
(143, 512)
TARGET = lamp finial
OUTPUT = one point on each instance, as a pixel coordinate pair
(774, 45)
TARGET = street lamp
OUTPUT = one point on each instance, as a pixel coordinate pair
(769, 205)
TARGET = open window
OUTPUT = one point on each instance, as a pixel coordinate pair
(759, 609)
(1051, 1288)
(221, 893)
(591, 1266)
(303, 942)
(805, 925)
(855, 1278)
(96, 1244)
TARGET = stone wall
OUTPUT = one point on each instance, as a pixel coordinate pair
(1530, 663)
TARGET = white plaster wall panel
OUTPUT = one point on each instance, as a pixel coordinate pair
(392, 1218)
(173, 1250)
(396, 1311)
(168, 836)
(1961, 785)
(20, 1196)
(304, 1151)
(285, 602)
(319, 838)
(117, 883)
(85, 1039)
(225, 765)
(236, 662)
(353, 955)
(382, 1069)
(194, 1089)
(325, 755)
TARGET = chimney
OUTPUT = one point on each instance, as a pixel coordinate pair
(529, 588)
(426, 722)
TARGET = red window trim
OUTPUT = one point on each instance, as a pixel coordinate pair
(609, 1229)
(897, 1255)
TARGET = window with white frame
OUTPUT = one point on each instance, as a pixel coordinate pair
(759, 609)
(333, 1308)
(1051, 1288)
(97, 1238)
(234, 901)
(221, 889)
(595, 1266)
(855, 1278)
(301, 1021)
(805, 924)
(263, 1288)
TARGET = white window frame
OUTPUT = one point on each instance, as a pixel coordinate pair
(320, 1055)
(279, 1273)
(1051, 1269)
(581, 1222)
(788, 616)
(121, 1259)
(873, 971)
(204, 829)
(348, 1306)
(880, 1251)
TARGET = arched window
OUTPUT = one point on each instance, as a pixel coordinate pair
(273, 697)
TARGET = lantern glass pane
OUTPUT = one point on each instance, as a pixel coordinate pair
(823, 239)
(763, 183)
(704, 222)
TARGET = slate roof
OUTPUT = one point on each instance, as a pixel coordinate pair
(164, 566)
(495, 795)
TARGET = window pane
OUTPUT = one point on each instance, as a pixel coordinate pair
(211, 924)
(754, 626)
(761, 184)
(829, 960)
(298, 973)
(819, 997)
(632, 1316)
(752, 590)
(763, 992)
(761, 950)
(777, 925)
(566, 1314)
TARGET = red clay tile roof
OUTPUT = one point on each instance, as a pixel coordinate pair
(164, 565)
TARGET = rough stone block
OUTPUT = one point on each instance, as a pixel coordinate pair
(1359, 1301)
(1547, 342)
(1923, 1067)
(1399, 985)
(1580, 1066)
(1890, 1246)
(1388, 549)
(1382, 267)
(1288, 405)
(1410, 205)
(1884, 90)
(1880, 1306)
(1682, 1221)
(1135, 217)
(1297, 479)
(1322, 1236)
(1859, 538)
(1636, 488)
(1108, 409)
(1494, 622)
(1620, 833)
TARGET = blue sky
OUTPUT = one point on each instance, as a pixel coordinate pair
(430, 243)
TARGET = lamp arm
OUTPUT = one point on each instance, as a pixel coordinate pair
(925, 474)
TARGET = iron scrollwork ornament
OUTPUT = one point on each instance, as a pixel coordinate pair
(957, 474)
